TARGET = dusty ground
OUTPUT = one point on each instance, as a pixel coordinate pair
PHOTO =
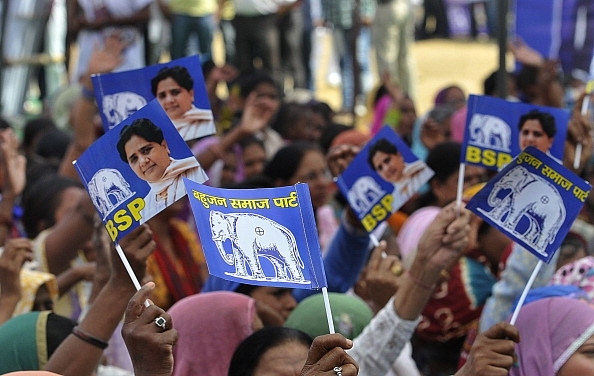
(439, 63)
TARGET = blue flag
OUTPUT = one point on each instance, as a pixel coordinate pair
(382, 177)
(491, 134)
(533, 200)
(264, 237)
(135, 170)
(178, 85)
(562, 30)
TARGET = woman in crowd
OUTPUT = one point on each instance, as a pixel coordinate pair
(459, 297)
(304, 162)
(271, 351)
(210, 326)
(60, 218)
(29, 340)
(557, 338)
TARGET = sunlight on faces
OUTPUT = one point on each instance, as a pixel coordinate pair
(532, 134)
(174, 99)
(389, 166)
(286, 359)
(147, 159)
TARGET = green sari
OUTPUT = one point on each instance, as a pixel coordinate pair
(29, 339)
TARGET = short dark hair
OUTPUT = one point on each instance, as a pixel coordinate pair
(248, 353)
(177, 73)
(144, 128)
(547, 121)
(382, 145)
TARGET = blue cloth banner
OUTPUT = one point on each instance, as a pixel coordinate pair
(533, 200)
(264, 237)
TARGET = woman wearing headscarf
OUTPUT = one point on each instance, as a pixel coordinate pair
(557, 337)
(210, 326)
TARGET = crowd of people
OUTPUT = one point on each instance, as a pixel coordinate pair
(432, 298)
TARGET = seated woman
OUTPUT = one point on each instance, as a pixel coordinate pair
(60, 218)
(210, 326)
(557, 338)
(271, 351)
(30, 339)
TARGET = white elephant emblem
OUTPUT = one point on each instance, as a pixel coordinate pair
(520, 194)
(364, 193)
(117, 107)
(490, 131)
(253, 236)
(108, 189)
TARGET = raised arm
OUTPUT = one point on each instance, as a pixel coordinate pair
(90, 337)
(381, 342)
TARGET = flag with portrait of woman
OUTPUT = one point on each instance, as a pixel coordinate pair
(136, 169)
(497, 130)
(382, 177)
(178, 85)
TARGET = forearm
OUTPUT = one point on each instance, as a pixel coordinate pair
(68, 279)
(415, 291)
(381, 342)
(6, 206)
(100, 322)
(8, 303)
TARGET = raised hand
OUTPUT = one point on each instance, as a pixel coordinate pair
(492, 353)
(327, 355)
(150, 346)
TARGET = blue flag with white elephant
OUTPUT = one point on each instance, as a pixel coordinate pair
(492, 137)
(265, 237)
(533, 200)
